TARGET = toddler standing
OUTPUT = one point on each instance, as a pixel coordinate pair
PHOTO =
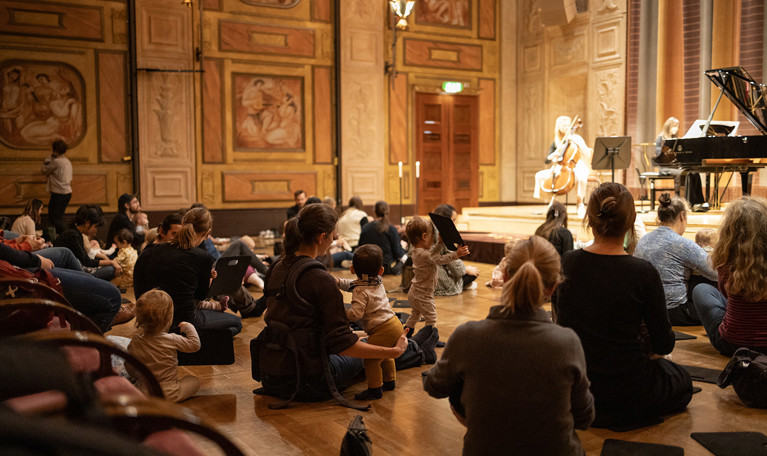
(426, 257)
(370, 306)
(156, 348)
(706, 239)
(126, 258)
(498, 271)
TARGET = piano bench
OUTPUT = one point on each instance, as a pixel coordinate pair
(654, 189)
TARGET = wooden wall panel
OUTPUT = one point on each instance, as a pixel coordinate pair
(112, 107)
(323, 116)
(53, 20)
(17, 189)
(440, 54)
(213, 120)
(487, 19)
(265, 39)
(398, 121)
(487, 97)
(321, 10)
(211, 4)
(260, 187)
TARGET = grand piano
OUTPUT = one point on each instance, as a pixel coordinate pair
(718, 155)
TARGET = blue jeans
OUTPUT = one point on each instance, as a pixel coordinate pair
(104, 273)
(62, 257)
(7, 234)
(98, 299)
(711, 306)
(339, 257)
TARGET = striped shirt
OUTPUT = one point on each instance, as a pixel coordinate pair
(744, 322)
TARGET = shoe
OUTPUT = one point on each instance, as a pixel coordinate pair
(440, 344)
(369, 394)
(580, 211)
(410, 333)
(421, 336)
(257, 310)
(346, 264)
(471, 286)
(389, 386)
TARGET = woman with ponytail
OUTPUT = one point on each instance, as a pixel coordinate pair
(515, 380)
(182, 269)
(616, 305)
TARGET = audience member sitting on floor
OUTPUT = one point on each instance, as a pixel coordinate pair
(29, 220)
(141, 222)
(309, 235)
(299, 196)
(554, 229)
(183, 270)
(98, 299)
(351, 221)
(735, 315)
(88, 219)
(454, 277)
(499, 271)
(127, 206)
(606, 297)
(157, 349)
(383, 234)
(167, 230)
(126, 258)
(370, 308)
(676, 258)
(517, 345)
(706, 238)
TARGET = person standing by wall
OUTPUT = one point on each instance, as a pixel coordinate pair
(58, 169)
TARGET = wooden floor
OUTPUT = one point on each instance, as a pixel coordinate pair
(409, 422)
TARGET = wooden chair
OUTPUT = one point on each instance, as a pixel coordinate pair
(23, 315)
(159, 423)
(13, 288)
(98, 360)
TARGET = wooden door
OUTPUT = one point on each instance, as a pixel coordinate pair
(446, 146)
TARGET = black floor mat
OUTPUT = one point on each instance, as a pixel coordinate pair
(400, 304)
(683, 336)
(733, 443)
(614, 447)
(702, 374)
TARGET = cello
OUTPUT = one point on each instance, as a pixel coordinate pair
(565, 157)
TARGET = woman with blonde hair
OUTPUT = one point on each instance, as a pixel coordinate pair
(735, 315)
(516, 380)
(554, 229)
(608, 298)
(183, 270)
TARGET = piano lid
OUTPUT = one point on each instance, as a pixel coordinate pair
(744, 93)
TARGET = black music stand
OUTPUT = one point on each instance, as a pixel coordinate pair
(611, 152)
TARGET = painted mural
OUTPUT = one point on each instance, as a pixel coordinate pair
(268, 112)
(455, 13)
(40, 102)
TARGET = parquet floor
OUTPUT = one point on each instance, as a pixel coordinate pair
(408, 421)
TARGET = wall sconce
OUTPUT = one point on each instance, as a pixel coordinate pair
(186, 2)
(401, 10)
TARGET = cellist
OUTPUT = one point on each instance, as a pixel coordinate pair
(563, 135)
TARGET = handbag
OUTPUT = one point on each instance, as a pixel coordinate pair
(747, 372)
(356, 441)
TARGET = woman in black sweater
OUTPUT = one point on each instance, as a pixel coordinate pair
(383, 234)
(554, 229)
(183, 270)
(616, 305)
(88, 219)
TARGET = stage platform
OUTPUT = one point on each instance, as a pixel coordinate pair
(486, 229)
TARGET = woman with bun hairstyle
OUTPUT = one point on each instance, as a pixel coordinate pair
(608, 298)
(183, 270)
(676, 258)
(319, 314)
(735, 315)
(515, 380)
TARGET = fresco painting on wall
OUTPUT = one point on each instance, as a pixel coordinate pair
(268, 112)
(455, 13)
(40, 102)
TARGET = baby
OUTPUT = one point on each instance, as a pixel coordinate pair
(426, 256)
(497, 280)
(156, 348)
(370, 307)
(706, 238)
(126, 258)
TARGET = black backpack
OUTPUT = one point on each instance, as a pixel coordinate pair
(283, 351)
(747, 372)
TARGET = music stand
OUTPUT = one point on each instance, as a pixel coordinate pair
(611, 152)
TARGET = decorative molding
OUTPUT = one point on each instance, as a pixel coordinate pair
(440, 54)
(119, 26)
(52, 20)
(357, 146)
(486, 122)
(213, 118)
(165, 103)
(566, 50)
(208, 188)
(531, 58)
(607, 6)
(113, 112)
(265, 39)
(266, 187)
(487, 14)
(532, 18)
(609, 42)
(323, 115)
(273, 3)
(610, 100)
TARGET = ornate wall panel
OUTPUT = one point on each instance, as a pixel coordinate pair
(321, 10)
(165, 104)
(213, 121)
(323, 114)
(609, 42)
(17, 189)
(54, 20)
(398, 126)
(440, 54)
(260, 187)
(113, 109)
(487, 124)
(487, 15)
(266, 39)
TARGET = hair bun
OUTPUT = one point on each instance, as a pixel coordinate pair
(607, 207)
(664, 199)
